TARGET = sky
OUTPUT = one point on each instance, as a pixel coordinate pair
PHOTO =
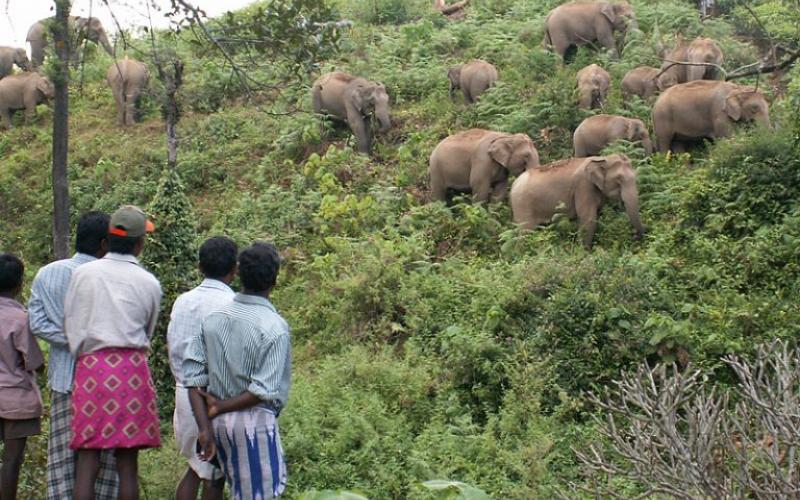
(16, 16)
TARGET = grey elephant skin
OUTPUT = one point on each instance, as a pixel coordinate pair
(705, 109)
(472, 78)
(581, 186)
(479, 161)
(353, 100)
(127, 78)
(704, 51)
(23, 91)
(9, 56)
(593, 85)
(84, 28)
(581, 23)
(646, 82)
(600, 131)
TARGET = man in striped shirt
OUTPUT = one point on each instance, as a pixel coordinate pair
(239, 373)
(217, 262)
(46, 317)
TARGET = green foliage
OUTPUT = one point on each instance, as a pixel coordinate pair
(431, 340)
(170, 256)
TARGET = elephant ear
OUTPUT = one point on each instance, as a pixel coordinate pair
(43, 85)
(501, 149)
(596, 167)
(454, 74)
(733, 106)
(357, 96)
(608, 11)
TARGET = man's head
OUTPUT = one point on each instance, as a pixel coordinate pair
(218, 258)
(127, 230)
(11, 272)
(258, 268)
(92, 234)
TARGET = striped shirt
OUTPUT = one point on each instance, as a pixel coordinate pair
(186, 320)
(243, 347)
(46, 316)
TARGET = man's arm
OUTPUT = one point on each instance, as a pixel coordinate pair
(205, 436)
(217, 407)
(25, 344)
(43, 315)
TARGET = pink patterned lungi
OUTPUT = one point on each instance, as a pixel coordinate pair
(114, 401)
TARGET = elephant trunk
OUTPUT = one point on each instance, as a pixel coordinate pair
(382, 114)
(648, 146)
(630, 198)
(103, 39)
(633, 24)
(763, 120)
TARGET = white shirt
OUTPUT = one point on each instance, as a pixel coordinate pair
(186, 320)
(111, 302)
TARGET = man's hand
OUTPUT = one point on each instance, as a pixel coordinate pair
(212, 403)
(208, 446)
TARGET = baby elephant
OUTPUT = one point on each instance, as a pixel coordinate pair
(645, 82)
(353, 100)
(23, 91)
(127, 78)
(473, 78)
(480, 161)
(9, 56)
(593, 84)
(582, 185)
(597, 132)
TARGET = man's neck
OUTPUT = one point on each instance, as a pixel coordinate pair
(263, 294)
(9, 295)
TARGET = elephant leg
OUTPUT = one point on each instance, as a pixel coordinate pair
(481, 190)
(438, 189)
(587, 216)
(6, 114)
(363, 139)
(130, 110)
(605, 35)
(561, 45)
(30, 113)
(37, 53)
(500, 191)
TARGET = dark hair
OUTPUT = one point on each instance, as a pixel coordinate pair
(122, 244)
(92, 230)
(218, 257)
(258, 267)
(11, 272)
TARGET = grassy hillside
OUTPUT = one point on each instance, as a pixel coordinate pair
(435, 342)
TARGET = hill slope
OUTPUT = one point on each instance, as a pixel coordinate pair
(435, 342)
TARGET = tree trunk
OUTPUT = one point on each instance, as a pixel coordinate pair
(172, 82)
(61, 38)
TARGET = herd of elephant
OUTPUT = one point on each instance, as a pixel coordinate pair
(692, 106)
(26, 90)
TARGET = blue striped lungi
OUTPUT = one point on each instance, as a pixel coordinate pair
(250, 453)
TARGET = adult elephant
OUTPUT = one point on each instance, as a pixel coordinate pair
(593, 85)
(352, 100)
(645, 82)
(9, 56)
(701, 60)
(473, 78)
(581, 186)
(705, 109)
(23, 91)
(84, 28)
(479, 161)
(581, 23)
(599, 131)
(127, 78)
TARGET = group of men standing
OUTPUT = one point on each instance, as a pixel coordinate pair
(230, 355)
